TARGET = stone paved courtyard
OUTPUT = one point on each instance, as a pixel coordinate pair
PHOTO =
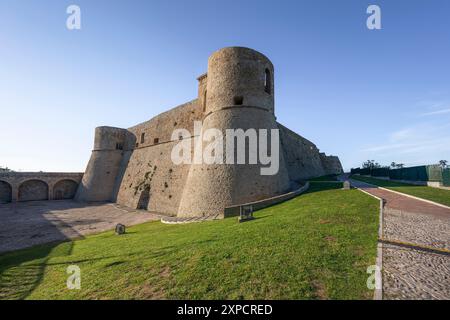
(410, 272)
(25, 224)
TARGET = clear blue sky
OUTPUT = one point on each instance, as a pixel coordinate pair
(356, 93)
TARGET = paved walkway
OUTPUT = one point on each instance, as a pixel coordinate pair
(411, 272)
(25, 224)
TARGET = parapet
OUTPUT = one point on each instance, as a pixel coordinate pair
(109, 138)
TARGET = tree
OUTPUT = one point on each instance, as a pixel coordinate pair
(5, 169)
(400, 165)
(443, 163)
(371, 164)
(393, 165)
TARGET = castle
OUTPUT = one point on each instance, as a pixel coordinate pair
(133, 166)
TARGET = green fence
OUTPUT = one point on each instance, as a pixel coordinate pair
(446, 177)
(380, 172)
(433, 173)
(421, 173)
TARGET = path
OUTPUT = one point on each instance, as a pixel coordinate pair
(410, 272)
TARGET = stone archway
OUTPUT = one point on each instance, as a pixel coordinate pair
(33, 190)
(64, 189)
(5, 192)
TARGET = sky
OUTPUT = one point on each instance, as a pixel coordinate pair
(356, 93)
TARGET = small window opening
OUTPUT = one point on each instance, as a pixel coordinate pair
(156, 140)
(119, 146)
(143, 137)
(267, 82)
(204, 101)
(238, 100)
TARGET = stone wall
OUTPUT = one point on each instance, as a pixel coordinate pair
(150, 173)
(160, 128)
(331, 164)
(32, 186)
(302, 156)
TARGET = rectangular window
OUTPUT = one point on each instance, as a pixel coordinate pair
(156, 140)
(143, 137)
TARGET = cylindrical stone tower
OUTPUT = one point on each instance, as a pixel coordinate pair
(100, 176)
(239, 95)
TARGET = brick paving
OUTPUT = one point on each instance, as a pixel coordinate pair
(409, 272)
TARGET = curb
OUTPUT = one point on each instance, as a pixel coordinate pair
(378, 293)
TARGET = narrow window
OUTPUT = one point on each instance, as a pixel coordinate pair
(156, 140)
(142, 137)
(204, 101)
(119, 146)
(267, 82)
(238, 100)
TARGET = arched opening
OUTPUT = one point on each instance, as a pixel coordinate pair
(33, 190)
(268, 82)
(5, 192)
(64, 189)
(204, 101)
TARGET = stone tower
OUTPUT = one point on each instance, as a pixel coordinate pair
(99, 179)
(239, 94)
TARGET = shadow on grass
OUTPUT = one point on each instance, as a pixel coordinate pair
(18, 279)
(322, 186)
(22, 270)
(330, 177)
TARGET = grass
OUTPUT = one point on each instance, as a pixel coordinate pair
(330, 177)
(315, 246)
(429, 193)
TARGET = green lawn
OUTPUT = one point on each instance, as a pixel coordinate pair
(429, 193)
(316, 246)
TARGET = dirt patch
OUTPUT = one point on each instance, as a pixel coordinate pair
(320, 290)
